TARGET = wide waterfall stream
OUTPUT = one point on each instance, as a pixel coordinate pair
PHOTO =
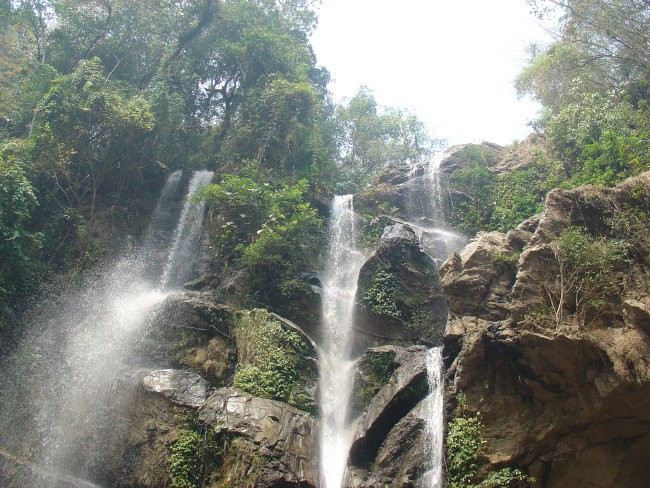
(69, 365)
(343, 262)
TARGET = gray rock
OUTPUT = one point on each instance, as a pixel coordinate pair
(406, 387)
(282, 436)
(181, 387)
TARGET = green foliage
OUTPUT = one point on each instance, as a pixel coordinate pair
(589, 284)
(601, 139)
(185, 464)
(268, 227)
(193, 454)
(465, 447)
(17, 243)
(488, 201)
(376, 369)
(370, 137)
(271, 357)
(381, 294)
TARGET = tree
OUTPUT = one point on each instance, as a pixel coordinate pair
(601, 45)
(370, 137)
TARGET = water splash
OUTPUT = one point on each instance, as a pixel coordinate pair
(344, 262)
(435, 418)
(59, 390)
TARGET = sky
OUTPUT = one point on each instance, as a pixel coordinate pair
(451, 62)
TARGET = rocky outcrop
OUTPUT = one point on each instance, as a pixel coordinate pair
(566, 402)
(478, 280)
(402, 460)
(400, 293)
(405, 388)
(190, 330)
(272, 444)
(180, 387)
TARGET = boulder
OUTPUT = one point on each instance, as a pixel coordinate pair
(399, 292)
(273, 444)
(405, 388)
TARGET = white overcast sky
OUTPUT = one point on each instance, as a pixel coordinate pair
(452, 62)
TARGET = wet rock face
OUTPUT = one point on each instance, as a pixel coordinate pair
(191, 330)
(406, 386)
(181, 387)
(273, 444)
(568, 404)
(400, 293)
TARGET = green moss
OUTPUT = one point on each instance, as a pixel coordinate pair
(194, 455)
(376, 369)
(271, 358)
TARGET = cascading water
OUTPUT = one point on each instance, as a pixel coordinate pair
(186, 240)
(74, 360)
(426, 202)
(435, 418)
(425, 208)
(336, 365)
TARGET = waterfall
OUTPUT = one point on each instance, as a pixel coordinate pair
(343, 262)
(435, 418)
(186, 240)
(425, 209)
(70, 360)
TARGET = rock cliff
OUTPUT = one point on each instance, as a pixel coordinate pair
(564, 396)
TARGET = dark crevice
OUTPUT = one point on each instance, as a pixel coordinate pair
(364, 450)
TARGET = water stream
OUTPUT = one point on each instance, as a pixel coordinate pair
(343, 262)
(71, 360)
(435, 418)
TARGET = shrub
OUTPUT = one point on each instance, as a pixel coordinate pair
(589, 284)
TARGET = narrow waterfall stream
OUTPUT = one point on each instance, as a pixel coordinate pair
(76, 354)
(435, 418)
(343, 262)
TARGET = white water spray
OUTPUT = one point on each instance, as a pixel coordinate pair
(76, 353)
(336, 365)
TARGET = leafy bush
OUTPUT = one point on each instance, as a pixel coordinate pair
(600, 139)
(465, 448)
(268, 227)
(487, 201)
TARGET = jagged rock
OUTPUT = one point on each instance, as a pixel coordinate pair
(405, 388)
(638, 313)
(280, 437)
(181, 387)
(478, 280)
(400, 291)
(568, 404)
(403, 457)
(589, 207)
